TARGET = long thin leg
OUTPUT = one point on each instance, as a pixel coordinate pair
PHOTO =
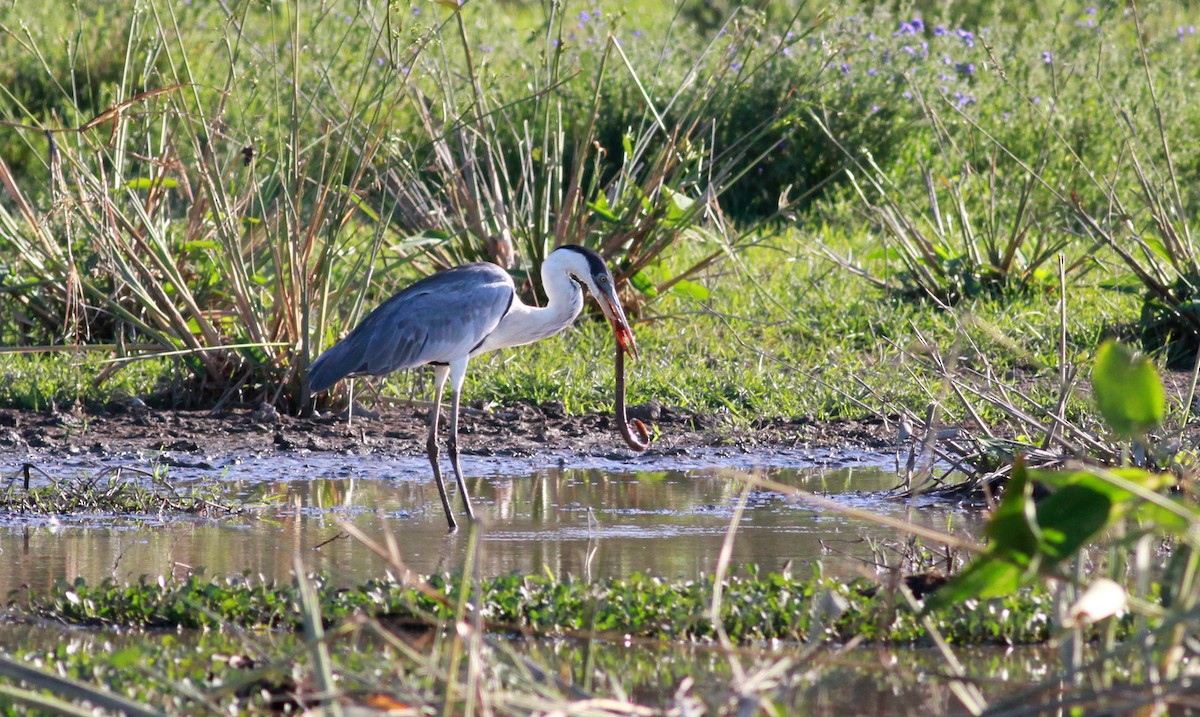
(431, 447)
(458, 372)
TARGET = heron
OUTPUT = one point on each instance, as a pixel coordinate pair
(450, 317)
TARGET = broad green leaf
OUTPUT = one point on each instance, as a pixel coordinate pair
(1013, 528)
(601, 207)
(987, 576)
(691, 289)
(1070, 517)
(1155, 245)
(1128, 390)
(643, 283)
(680, 205)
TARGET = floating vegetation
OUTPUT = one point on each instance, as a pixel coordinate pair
(121, 490)
(753, 608)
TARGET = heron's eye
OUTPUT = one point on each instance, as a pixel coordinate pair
(602, 279)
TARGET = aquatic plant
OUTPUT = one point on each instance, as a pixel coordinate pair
(755, 607)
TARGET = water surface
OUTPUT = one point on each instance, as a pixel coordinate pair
(593, 517)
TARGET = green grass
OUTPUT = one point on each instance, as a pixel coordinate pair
(779, 331)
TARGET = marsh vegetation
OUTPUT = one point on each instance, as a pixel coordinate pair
(969, 224)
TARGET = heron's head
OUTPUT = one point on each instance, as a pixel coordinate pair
(587, 267)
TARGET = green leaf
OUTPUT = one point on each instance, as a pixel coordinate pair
(643, 283)
(358, 202)
(601, 207)
(887, 253)
(987, 576)
(126, 658)
(1070, 516)
(1013, 528)
(148, 182)
(691, 290)
(1128, 390)
(680, 206)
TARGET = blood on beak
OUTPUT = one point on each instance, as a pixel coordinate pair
(612, 309)
(625, 338)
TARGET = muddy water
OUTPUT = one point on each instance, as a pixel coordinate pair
(595, 517)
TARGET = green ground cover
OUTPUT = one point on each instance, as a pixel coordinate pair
(951, 158)
(827, 212)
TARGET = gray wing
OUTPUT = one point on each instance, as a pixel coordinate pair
(436, 320)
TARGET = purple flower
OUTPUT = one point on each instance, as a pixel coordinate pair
(871, 72)
(965, 68)
(595, 14)
(939, 31)
(416, 11)
(1091, 11)
(906, 95)
(637, 33)
(584, 16)
(968, 37)
(906, 28)
(845, 68)
(874, 108)
(918, 24)
(1047, 57)
(908, 50)
(379, 61)
(1037, 100)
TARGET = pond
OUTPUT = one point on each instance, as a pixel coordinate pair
(591, 517)
(666, 516)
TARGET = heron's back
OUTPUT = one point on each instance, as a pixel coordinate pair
(439, 319)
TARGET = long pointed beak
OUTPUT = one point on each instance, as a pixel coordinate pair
(616, 315)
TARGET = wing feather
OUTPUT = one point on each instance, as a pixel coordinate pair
(436, 320)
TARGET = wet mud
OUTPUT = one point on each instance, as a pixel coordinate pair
(520, 431)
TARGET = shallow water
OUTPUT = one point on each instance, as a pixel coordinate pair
(594, 517)
(871, 680)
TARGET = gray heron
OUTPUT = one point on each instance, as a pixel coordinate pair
(450, 317)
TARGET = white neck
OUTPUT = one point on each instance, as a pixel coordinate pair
(524, 324)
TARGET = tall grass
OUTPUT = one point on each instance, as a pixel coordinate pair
(237, 204)
(196, 213)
